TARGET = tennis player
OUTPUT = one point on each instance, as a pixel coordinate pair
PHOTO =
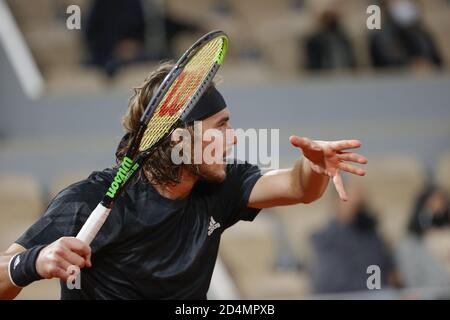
(162, 237)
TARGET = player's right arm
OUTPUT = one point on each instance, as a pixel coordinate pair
(7, 289)
(53, 261)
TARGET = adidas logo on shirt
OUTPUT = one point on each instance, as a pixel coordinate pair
(213, 225)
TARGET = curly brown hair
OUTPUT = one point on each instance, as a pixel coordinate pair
(158, 168)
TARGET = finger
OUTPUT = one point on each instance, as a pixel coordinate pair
(61, 274)
(73, 258)
(68, 268)
(304, 143)
(297, 141)
(77, 246)
(73, 271)
(351, 169)
(63, 264)
(354, 157)
(339, 185)
(88, 261)
(345, 144)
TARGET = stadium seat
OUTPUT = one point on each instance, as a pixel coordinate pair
(72, 80)
(21, 203)
(442, 174)
(438, 24)
(438, 243)
(133, 75)
(29, 14)
(301, 221)
(245, 72)
(248, 250)
(393, 182)
(192, 11)
(428, 6)
(41, 290)
(253, 12)
(43, 25)
(55, 47)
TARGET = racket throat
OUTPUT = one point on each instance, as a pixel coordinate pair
(126, 171)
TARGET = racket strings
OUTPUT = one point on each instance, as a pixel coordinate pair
(183, 91)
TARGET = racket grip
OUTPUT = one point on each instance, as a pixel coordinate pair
(93, 224)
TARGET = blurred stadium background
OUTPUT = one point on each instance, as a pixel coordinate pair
(306, 67)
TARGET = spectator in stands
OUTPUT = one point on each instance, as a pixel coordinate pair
(121, 32)
(403, 40)
(345, 248)
(329, 47)
(418, 265)
(115, 31)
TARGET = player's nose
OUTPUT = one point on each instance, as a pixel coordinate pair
(232, 134)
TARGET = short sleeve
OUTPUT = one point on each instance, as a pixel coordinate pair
(62, 218)
(236, 190)
(67, 213)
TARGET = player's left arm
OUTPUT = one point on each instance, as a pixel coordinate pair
(307, 180)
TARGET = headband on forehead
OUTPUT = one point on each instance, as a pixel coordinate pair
(209, 104)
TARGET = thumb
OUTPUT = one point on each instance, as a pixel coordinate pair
(296, 141)
(304, 143)
(88, 261)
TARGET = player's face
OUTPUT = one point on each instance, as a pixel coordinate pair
(211, 144)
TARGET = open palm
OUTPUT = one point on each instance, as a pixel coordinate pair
(329, 158)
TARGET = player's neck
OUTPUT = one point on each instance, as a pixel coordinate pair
(180, 190)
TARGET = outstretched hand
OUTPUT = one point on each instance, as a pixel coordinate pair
(329, 158)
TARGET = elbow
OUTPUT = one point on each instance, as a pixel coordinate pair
(308, 200)
(310, 197)
(303, 198)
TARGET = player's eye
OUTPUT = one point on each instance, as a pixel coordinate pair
(223, 123)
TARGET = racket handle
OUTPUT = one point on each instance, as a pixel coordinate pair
(93, 224)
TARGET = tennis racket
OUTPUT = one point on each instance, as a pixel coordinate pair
(174, 99)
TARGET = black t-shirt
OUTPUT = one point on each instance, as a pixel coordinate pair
(150, 247)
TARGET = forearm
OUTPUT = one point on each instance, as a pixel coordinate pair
(7, 289)
(283, 187)
(309, 184)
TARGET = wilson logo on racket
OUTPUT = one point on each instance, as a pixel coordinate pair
(172, 105)
(125, 170)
